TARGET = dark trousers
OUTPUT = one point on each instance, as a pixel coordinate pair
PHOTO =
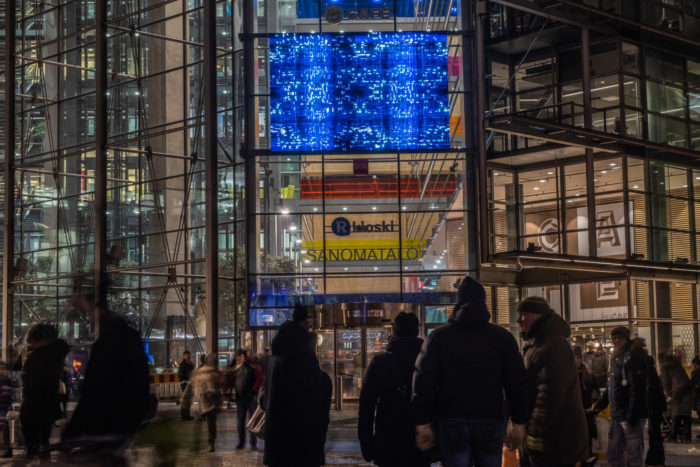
(466, 443)
(681, 427)
(36, 435)
(245, 406)
(655, 454)
(210, 418)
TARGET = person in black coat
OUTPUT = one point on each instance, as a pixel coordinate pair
(656, 402)
(385, 429)
(626, 393)
(587, 383)
(469, 376)
(294, 401)
(115, 397)
(557, 433)
(695, 380)
(40, 374)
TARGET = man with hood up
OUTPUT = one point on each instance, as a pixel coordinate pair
(385, 429)
(557, 432)
(467, 373)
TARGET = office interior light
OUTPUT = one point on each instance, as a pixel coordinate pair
(370, 92)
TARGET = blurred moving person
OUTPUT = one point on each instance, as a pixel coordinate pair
(115, 396)
(248, 381)
(695, 380)
(385, 429)
(206, 388)
(467, 373)
(656, 402)
(41, 372)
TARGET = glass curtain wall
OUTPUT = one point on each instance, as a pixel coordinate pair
(155, 170)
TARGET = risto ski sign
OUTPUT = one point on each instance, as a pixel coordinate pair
(364, 250)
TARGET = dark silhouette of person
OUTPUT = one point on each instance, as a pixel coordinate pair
(385, 426)
(296, 406)
(40, 380)
(115, 397)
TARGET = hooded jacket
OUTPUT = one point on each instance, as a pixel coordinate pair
(556, 410)
(206, 386)
(464, 369)
(385, 429)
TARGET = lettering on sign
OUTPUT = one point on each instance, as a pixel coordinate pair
(335, 14)
(343, 227)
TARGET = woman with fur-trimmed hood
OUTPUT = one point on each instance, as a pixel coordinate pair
(207, 388)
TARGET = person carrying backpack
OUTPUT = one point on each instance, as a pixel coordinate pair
(246, 396)
(385, 427)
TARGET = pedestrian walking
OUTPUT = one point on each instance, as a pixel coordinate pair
(656, 402)
(679, 395)
(184, 372)
(695, 380)
(41, 372)
(626, 394)
(468, 376)
(385, 429)
(557, 432)
(296, 410)
(115, 396)
(248, 381)
(587, 385)
(207, 389)
(599, 366)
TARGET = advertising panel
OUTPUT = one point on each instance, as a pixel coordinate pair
(369, 92)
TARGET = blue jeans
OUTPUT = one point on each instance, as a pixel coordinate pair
(464, 443)
(626, 447)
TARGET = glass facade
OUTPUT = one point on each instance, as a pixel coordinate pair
(588, 195)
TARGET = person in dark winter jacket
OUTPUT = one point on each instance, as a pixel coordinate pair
(656, 402)
(626, 393)
(184, 372)
(115, 397)
(294, 402)
(557, 433)
(246, 397)
(462, 374)
(679, 394)
(385, 428)
(40, 375)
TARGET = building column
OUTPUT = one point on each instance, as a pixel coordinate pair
(588, 124)
(9, 206)
(211, 266)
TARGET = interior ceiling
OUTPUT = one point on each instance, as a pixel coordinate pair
(536, 156)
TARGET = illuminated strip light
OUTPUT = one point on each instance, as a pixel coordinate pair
(605, 263)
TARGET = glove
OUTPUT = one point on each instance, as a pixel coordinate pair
(535, 444)
(516, 436)
(425, 438)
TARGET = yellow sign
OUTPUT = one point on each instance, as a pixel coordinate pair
(364, 250)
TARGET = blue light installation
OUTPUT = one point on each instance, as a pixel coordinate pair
(370, 92)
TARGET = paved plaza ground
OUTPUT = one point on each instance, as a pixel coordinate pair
(342, 447)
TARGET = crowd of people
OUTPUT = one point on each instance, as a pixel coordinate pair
(459, 396)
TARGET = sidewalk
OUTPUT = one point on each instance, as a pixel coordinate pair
(179, 440)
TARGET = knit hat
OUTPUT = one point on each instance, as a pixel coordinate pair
(621, 331)
(300, 313)
(405, 325)
(470, 291)
(536, 305)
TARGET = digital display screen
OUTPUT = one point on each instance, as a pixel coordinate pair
(369, 92)
(359, 9)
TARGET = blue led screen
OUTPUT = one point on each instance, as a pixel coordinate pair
(341, 92)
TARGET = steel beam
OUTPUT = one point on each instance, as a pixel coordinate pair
(211, 266)
(251, 177)
(554, 15)
(9, 205)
